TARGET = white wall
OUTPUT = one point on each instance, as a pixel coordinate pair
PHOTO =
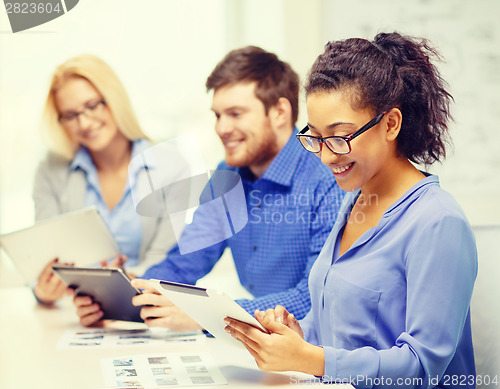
(163, 50)
(485, 312)
(467, 34)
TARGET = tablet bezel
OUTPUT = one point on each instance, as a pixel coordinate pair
(109, 287)
(208, 307)
(80, 237)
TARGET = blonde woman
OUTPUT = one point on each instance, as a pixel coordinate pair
(93, 135)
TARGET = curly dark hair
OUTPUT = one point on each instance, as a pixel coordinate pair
(392, 71)
(274, 78)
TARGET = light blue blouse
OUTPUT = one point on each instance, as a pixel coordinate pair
(394, 308)
(123, 221)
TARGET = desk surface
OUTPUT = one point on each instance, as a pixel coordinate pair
(29, 357)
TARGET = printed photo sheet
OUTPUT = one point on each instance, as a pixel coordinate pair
(99, 337)
(161, 370)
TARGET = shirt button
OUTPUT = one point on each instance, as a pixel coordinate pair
(254, 248)
(250, 288)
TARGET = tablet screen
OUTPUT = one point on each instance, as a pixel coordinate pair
(208, 307)
(110, 288)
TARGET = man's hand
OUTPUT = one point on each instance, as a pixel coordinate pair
(159, 311)
(88, 311)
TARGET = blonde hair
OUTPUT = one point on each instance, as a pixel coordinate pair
(105, 80)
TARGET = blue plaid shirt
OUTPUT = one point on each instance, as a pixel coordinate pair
(291, 210)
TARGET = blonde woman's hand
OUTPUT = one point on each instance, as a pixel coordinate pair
(159, 311)
(50, 287)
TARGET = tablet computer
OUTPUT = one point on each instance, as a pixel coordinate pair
(207, 307)
(79, 237)
(109, 287)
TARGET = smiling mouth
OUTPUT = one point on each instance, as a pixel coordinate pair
(91, 133)
(341, 169)
(231, 144)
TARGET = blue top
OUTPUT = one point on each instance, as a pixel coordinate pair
(123, 221)
(395, 305)
(291, 209)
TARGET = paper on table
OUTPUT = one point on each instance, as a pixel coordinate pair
(161, 369)
(99, 337)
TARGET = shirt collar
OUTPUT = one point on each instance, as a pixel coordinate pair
(138, 147)
(283, 166)
(83, 159)
(428, 180)
(351, 197)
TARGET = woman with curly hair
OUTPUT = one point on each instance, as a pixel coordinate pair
(391, 288)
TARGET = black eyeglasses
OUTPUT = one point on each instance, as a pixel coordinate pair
(70, 119)
(336, 144)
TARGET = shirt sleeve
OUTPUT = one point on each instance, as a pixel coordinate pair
(200, 246)
(441, 268)
(164, 234)
(309, 329)
(187, 268)
(44, 197)
(162, 241)
(297, 299)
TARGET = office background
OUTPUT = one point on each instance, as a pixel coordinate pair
(163, 50)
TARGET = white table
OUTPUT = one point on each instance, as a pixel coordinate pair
(29, 357)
